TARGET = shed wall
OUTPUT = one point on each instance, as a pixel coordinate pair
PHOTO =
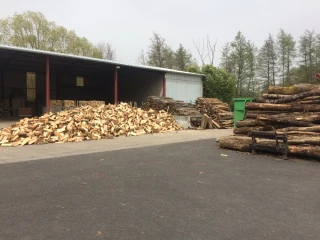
(183, 87)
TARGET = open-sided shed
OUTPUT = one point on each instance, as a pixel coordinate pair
(36, 76)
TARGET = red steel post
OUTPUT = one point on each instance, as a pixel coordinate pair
(116, 86)
(164, 83)
(47, 84)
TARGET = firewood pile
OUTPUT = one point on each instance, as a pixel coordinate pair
(69, 104)
(59, 105)
(92, 103)
(62, 103)
(219, 111)
(87, 123)
(5, 110)
(294, 111)
(174, 107)
(55, 103)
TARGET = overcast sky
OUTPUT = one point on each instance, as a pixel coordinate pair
(128, 25)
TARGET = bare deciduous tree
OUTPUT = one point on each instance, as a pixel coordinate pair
(142, 59)
(206, 50)
(107, 51)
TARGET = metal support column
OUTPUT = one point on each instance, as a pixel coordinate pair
(164, 83)
(47, 84)
(2, 82)
(57, 87)
(116, 85)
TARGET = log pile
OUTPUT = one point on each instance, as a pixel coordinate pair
(92, 103)
(217, 110)
(174, 107)
(59, 105)
(56, 103)
(296, 146)
(63, 103)
(87, 123)
(170, 105)
(5, 110)
(293, 110)
(69, 103)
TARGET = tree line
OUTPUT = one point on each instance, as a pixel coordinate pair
(33, 30)
(159, 54)
(281, 60)
(245, 70)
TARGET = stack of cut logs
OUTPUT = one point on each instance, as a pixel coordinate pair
(87, 123)
(221, 115)
(56, 103)
(4, 108)
(293, 110)
(69, 103)
(92, 103)
(62, 103)
(175, 107)
(59, 105)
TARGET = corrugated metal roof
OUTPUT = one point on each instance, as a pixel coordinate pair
(29, 50)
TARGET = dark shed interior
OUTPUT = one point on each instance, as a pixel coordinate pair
(134, 84)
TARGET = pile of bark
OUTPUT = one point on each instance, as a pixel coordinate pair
(175, 107)
(217, 110)
(294, 111)
(5, 110)
(87, 123)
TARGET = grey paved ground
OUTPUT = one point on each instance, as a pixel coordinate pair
(34, 152)
(178, 191)
(7, 121)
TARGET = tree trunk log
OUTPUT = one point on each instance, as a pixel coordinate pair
(297, 133)
(301, 140)
(285, 120)
(309, 151)
(292, 119)
(235, 143)
(295, 89)
(283, 107)
(242, 144)
(291, 98)
(250, 123)
(301, 129)
(246, 130)
(312, 98)
(255, 113)
(308, 102)
(273, 96)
